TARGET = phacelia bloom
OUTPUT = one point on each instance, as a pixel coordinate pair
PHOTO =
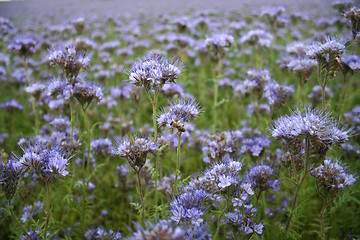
(303, 67)
(102, 147)
(162, 230)
(316, 125)
(23, 46)
(278, 94)
(261, 176)
(135, 150)
(244, 221)
(220, 42)
(12, 106)
(328, 54)
(353, 117)
(177, 114)
(331, 178)
(9, 177)
(353, 15)
(85, 92)
(100, 233)
(48, 160)
(31, 210)
(70, 60)
(220, 147)
(153, 71)
(350, 63)
(257, 36)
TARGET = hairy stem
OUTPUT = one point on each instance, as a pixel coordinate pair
(216, 236)
(298, 186)
(216, 89)
(177, 172)
(141, 195)
(47, 207)
(33, 104)
(322, 219)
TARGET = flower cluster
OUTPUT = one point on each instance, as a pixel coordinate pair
(47, 159)
(220, 42)
(135, 149)
(153, 71)
(177, 114)
(260, 178)
(9, 177)
(328, 55)
(31, 210)
(314, 124)
(331, 178)
(100, 233)
(23, 46)
(12, 106)
(70, 59)
(353, 14)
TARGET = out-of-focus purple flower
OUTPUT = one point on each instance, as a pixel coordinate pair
(257, 36)
(12, 106)
(102, 147)
(31, 210)
(23, 46)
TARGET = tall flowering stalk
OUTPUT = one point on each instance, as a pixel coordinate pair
(331, 179)
(328, 55)
(48, 161)
(151, 72)
(174, 118)
(307, 137)
(24, 46)
(135, 150)
(219, 44)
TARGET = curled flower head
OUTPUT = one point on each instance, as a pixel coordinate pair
(47, 159)
(353, 14)
(135, 149)
(153, 71)
(331, 178)
(219, 41)
(316, 125)
(328, 55)
(70, 60)
(9, 176)
(23, 46)
(177, 114)
(260, 177)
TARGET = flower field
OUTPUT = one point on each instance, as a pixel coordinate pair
(200, 124)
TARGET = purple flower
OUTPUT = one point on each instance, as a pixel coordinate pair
(70, 60)
(48, 160)
(135, 149)
(12, 106)
(9, 176)
(331, 178)
(153, 71)
(260, 177)
(177, 114)
(23, 46)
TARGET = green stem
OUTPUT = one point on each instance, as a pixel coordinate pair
(322, 219)
(219, 222)
(298, 185)
(16, 220)
(72, 122)
(177, 172)
(216, 89)
(47, 207)
(141, 194)
(33, 104)
(154, 105)
(323, 96)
